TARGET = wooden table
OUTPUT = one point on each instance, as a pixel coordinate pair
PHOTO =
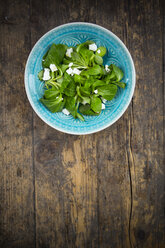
(101, 190)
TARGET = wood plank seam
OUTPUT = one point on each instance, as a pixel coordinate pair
(33, 161)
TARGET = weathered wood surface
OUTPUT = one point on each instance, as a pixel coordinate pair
(16, 162)
(100, 190)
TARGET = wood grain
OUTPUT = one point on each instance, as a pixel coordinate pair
(101, 190)
(145, 127)
(16, 163)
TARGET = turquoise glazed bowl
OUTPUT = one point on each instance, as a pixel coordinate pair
(72, 34)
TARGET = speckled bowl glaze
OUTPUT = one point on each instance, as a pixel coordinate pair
(72, 34)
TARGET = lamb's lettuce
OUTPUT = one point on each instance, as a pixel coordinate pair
(81, 93)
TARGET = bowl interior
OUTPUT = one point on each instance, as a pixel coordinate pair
(71, 35)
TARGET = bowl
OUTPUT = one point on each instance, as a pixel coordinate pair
(72, 34)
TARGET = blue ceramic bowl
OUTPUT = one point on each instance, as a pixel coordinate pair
(72, 34)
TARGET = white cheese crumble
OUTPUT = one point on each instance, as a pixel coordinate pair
(95, 91)
(70, 64)
(106, 68)
(103, 106)
(103, 100)
(99, 51)
(65, 111)
(76, 71)
(46, 75)
(53, 67)
(93, 47)
(69, 51)
(69, 71)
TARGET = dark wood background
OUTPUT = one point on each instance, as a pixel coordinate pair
(101, 190)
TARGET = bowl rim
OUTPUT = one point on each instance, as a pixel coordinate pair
(132, 88)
